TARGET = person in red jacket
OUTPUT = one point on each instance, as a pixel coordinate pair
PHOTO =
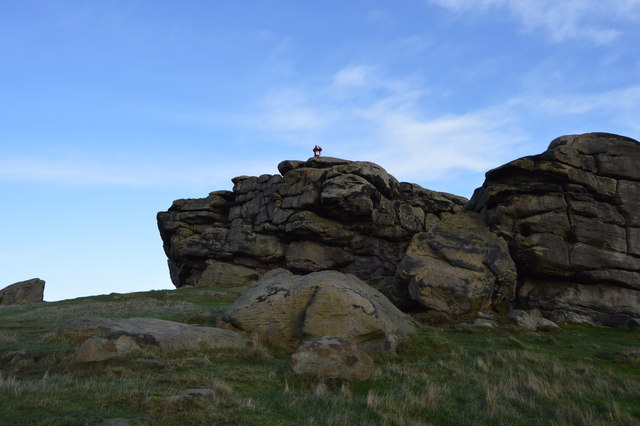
(316, 151)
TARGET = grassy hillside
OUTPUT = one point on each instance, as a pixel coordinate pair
(577, 375)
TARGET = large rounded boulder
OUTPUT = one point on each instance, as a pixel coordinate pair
(326, 303)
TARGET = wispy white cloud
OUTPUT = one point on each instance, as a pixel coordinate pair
(431, 148)
(594, 20)
(392, 121)
(366, 115)
(619, 108)
(354, 76)
(290, 109)
(619, 101)
(380, 17)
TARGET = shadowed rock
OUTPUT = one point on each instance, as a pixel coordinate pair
(458, 268)
(571, 217)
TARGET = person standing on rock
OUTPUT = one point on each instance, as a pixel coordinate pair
(316, 151)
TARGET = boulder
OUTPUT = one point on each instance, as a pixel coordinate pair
(531, 322)
(326, 303)
(321, 214)
(23, 292)
(332, 358)
(571, 218)
(97, 349)
(16, 361)
(113, 338)
(458, 268)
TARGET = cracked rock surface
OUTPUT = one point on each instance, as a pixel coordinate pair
(571, 217)
(458, 268)
(321, 214)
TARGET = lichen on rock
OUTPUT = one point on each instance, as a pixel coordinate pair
(327, 303)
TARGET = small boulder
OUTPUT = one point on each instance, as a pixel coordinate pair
(23, 292)
(326, 303)
(96, 349)
(16, 361)
(332, 357)
(531, 322)
(219, 393)
(478, 323)
(122, 338)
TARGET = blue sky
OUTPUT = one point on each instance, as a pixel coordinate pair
(112, 109)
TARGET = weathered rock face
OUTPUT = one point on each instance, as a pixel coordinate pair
(30, 291)
(325, 213)
(459, 268)
(571, 217)
(326, 303)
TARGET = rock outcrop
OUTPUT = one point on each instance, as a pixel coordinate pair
(571, 217)
(321, 214)
(556, 234)
(23, 292)
(458, 268)
(326, 303)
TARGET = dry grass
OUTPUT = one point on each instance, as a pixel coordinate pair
(7, 337)
(575, 376)
(140, 307)
(460, 387)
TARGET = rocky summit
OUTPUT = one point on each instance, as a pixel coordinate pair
(322, 214)
(555, 234)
